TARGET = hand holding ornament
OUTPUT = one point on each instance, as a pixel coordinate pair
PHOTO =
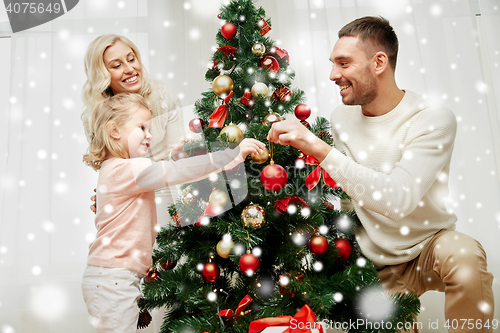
(292, 132)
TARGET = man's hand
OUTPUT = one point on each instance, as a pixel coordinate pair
(292, 132)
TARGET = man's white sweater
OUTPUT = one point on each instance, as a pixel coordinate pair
(396, 172)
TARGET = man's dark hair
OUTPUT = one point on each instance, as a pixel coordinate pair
(376, 30)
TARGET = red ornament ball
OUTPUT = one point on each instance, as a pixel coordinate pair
(228, 31)
(152, 276)
(318, 245)
(344, 248)
(168, 265)
(302, 111)
(274, 177)
(210, 272)
(196, 125)
(249, 263)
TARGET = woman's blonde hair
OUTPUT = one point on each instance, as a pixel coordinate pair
(96, 88)
(112, 112)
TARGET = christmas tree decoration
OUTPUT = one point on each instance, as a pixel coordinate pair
(218, 117)
(282, 204)
(264, 27)
(258, 49)
(344, 248)
(271, 117)
(280, 54)
(260, 158)
(253, 216)
(210, 272)
(187, 197)
(274, 177)
(304, 318)
(144, 316)
(249, 264)
(240, 310)
(259, 89)
(318, 245)
(222, 85)
(229, 52)
(218, 198)
(282, 94)
(196, 125)
(302, 111)
(224, 248)
(314, 177)
(168, 265)
(246, 99)
(177, 219)
(234, 133)
(152, 276)
(228, 30)
(270, 63)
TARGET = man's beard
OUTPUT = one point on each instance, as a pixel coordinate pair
(368, 91)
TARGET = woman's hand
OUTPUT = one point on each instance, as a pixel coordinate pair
(93, 207)
(178, 151)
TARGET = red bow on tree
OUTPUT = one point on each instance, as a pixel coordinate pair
(303, 322)
(313, 179)
(227, 50)
(218, 117)
(229, 314)
(282, 204)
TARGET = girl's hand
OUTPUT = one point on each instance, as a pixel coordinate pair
(93, 207)
(178, 151)
(248, 146)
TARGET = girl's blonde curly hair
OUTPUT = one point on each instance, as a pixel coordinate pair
(112, 112)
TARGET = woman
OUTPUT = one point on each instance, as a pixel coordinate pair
(113, 65)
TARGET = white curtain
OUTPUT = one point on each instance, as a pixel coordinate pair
(449, 52)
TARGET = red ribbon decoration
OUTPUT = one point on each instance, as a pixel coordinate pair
(282, 204)
(227, 50)
(229, 314)
(218, 117)
(305, 319)
(313, 179)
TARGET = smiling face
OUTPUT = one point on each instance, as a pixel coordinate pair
(125, 69)
(134, 135)
(353, 72)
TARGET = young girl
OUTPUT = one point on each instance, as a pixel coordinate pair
(121, 253)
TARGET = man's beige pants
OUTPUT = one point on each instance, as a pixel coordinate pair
(456, 264)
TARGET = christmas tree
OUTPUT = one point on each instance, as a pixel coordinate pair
(262, 240)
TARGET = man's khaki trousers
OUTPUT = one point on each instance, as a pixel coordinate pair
(456, 264)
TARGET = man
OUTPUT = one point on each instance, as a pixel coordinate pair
(398, 149)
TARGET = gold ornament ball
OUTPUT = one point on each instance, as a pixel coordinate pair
(271, 118)
(224, 248)
(253, 216)
(259, 89)
(258, 49)
(222, 85)
(260, 158)
(234, 133)
(218, 198)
